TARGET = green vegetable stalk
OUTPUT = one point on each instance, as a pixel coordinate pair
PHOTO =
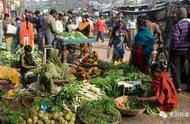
(102, 111)
(7, 58)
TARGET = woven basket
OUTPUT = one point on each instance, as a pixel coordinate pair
(123, 100)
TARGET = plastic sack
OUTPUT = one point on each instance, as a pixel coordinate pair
(11, 29)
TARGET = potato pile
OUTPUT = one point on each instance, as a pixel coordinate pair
(41, 117)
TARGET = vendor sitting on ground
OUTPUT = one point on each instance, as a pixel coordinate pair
(53, 72)
(87, 68)
(163, 89)
(90, 59)
(27, 61)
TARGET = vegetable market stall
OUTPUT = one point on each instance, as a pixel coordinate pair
(91, 102)
(73, 38)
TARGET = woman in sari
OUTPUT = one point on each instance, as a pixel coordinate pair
(26, 33)
(119, 38)
(87, 67)
(53, 71)
(163, 89)
(142, 47)
(84, 28)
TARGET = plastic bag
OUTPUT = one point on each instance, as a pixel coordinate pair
(11, 29)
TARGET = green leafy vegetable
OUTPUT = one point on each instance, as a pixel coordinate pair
(126, 68)
(107, 85)
(7, 58)
(152, 109)
(114, 74)
(132, 105)
(73, 35)
(13, 117)
(75, 94)
(103, 83)
(102, 111)
(36, 55)
(104, 66)
(136, 76)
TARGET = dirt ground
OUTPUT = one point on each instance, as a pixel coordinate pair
(184, 102)
(184, 98)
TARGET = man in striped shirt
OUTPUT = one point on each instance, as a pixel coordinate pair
(180, 47)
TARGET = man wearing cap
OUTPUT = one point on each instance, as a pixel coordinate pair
(180, 47)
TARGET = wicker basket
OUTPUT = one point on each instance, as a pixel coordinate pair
(123, 100)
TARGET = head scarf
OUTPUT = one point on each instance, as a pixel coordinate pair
(120, 22)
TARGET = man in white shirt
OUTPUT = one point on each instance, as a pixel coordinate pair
(132, 30)
(59, 22)
(78, 19)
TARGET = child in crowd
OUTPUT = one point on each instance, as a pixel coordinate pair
(27, 62)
